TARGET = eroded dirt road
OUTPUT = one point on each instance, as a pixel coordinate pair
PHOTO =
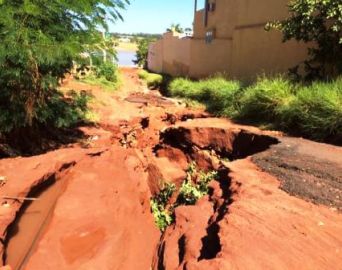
(276, 204)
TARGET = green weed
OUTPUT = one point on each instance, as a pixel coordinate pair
(163, 216)
(194, 187)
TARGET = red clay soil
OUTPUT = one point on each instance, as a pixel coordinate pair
(275, 204)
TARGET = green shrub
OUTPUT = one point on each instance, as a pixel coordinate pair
(261, 101)
(40, 41)
(142, 52)
(318, 24)
(142, 74)
(107, 70)
(154, 80)
(57, 111)
(61, 112)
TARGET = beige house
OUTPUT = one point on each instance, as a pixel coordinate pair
(229, 38)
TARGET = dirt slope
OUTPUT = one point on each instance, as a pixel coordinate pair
(275, 204)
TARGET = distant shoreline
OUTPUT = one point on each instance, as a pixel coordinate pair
(127, 47)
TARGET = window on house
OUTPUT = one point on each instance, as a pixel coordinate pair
(211, 7)
(209, 36)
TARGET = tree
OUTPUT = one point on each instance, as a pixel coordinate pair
(142, 52)
(40, 39)
(317, 22)
(175, 28)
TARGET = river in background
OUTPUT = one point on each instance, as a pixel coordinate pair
(125, 58)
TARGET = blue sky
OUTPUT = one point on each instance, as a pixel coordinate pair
(154, 16)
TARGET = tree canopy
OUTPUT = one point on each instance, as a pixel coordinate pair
(40, 39)
(318, 23)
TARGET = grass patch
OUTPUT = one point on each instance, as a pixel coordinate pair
(105, 75)
(218, 94)
(263, 101)
(101, 82)
(316, 110)
(313, 111)
(153, 80)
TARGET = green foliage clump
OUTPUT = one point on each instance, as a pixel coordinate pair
(59, 111)
(64, 111)
(153, 80)
(105, 75)
(175, 28)
(142, 52)
(163, 216)
(318, 22)
(312, 110)
(142, 74)
(107, 70)
(194, 187)
(39, 42)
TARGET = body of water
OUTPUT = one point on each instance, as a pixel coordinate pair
(125, 58)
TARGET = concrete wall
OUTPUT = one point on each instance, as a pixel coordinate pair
(209, 59)
(170, 55)
(241, 48)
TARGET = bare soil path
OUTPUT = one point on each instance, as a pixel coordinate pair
(276, 204)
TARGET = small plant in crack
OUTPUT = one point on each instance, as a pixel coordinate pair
(194, 187)
(163, 214)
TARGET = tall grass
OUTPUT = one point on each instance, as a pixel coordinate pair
(262, 101)
(218, 94)
(314, 111)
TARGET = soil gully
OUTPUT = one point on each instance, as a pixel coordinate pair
(209, 147)
(229, 144)
(24, 233)
(211, 244)
(192, 225)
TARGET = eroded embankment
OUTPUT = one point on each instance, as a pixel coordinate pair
(245, 212)
(100, 216)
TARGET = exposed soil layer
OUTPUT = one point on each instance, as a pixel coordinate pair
(306, 169)
(101, 218)
(28, 142)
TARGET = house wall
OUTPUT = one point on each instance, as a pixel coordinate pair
(210, 59)
(170, 55)
(155, 56)
(241, 48)
(256, 51)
